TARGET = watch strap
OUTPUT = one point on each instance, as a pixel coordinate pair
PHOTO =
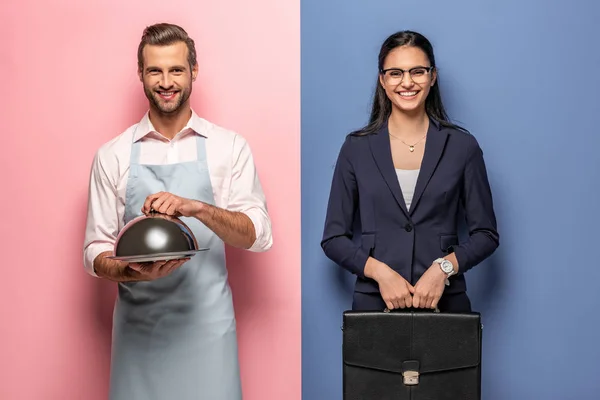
(439, 261)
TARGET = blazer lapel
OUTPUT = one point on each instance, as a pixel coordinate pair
(382, 154)
(434, 147)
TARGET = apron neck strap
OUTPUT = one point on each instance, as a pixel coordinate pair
(201, 149)
(135, 150)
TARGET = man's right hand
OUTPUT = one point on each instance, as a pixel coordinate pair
(154, 270)
(395, 290)
(120, 271)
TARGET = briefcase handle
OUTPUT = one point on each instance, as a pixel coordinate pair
(436, 310)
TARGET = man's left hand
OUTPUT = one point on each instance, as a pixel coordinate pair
(169, 204)
(429, 288)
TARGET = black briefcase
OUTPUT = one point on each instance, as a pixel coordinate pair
(411, 355)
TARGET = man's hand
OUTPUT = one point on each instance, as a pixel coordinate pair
(394, 289)
(120, 271)
(232, 227)
(429, 288)
(155, 270)
(169, 204)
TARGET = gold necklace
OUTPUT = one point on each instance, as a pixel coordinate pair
(410, 147)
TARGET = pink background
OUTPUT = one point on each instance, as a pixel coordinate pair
(69, 79)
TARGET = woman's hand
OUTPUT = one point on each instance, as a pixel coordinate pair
(429, 288)
(395, 290)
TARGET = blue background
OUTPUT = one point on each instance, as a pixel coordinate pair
(524, 78)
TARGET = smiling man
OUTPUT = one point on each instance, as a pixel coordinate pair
(174, 332)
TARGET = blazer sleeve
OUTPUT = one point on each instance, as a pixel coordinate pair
(342, 206)
(479, 212)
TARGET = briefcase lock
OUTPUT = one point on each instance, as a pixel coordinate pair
(410, 372)
(411, 378)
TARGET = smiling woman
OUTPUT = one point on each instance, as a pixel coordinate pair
(407, 94)
(412, 169)
(394, 213)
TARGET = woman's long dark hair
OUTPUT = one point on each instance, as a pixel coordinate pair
(382, 106)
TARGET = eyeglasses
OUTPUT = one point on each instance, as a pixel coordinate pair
(394, 76)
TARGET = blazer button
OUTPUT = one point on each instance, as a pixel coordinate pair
(408, 227)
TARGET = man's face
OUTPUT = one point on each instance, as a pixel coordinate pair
(167, 77)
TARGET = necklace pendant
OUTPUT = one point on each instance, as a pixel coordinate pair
(412, 148)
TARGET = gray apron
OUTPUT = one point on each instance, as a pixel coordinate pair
(175, 338)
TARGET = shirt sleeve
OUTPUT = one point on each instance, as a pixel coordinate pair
(102, 222)
(246, 194)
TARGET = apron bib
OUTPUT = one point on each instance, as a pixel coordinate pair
(175, 338)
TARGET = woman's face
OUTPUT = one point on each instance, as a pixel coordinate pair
(407, 90)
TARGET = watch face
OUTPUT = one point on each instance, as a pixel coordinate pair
(447, 266)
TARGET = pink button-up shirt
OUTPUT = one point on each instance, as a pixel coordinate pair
(235, 182)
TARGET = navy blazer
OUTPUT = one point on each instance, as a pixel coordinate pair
(367, 215)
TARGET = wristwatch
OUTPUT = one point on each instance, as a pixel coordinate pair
(447, 267)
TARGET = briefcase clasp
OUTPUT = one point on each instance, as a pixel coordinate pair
(411, 378)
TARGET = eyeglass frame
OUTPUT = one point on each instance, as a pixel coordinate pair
(403, 71)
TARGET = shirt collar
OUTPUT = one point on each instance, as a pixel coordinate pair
(195, 124)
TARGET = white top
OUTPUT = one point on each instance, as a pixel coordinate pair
(235, 183)
(408, 180)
